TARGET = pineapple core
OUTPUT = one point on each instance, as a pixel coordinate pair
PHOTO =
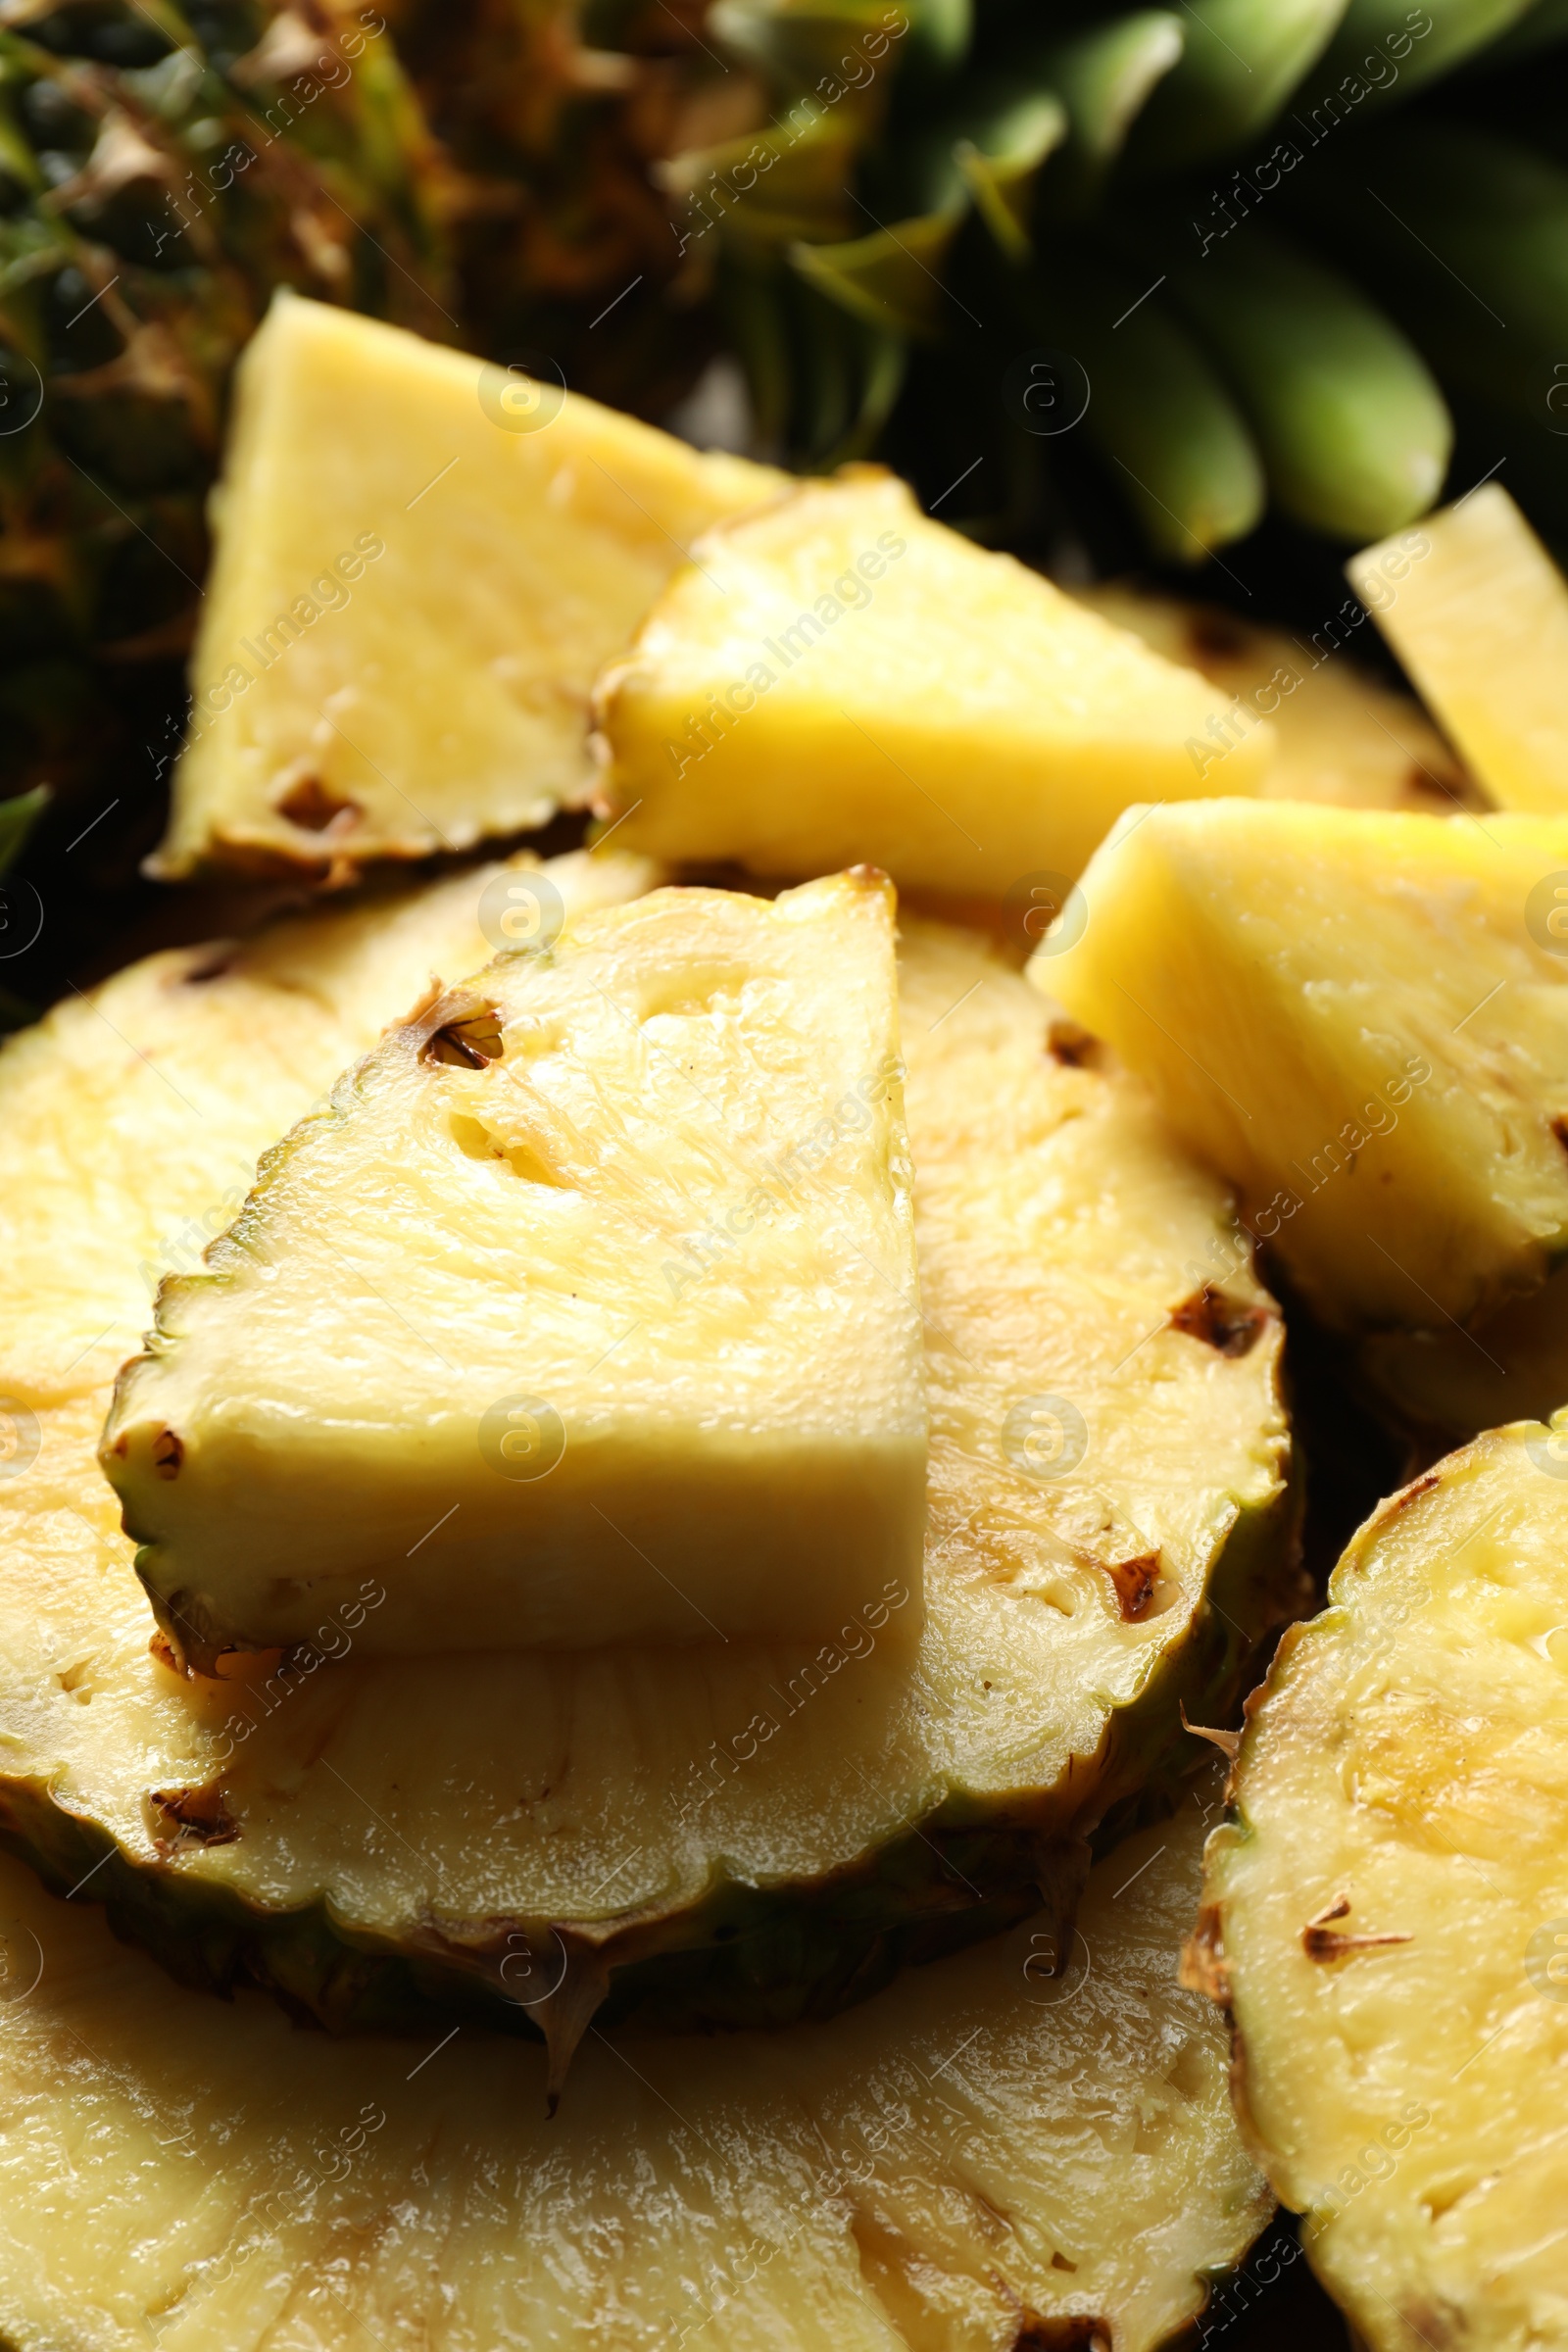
(838, 678)
(586, 1314)
(1361, 1019)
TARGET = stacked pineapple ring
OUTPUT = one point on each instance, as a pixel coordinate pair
(760, 1833)
(284, 1827)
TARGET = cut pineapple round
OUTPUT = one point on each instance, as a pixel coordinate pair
(1339, 734)
(987, 2156)
(737, 1833)
(1387, 1914)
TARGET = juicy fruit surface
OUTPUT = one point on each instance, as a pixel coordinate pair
(1339, 734)
(422, 563)
(1481, 623)
(838, 678)
(587, 1314)
(985, 2154)
(1362, 1019)
(133, 1117)
(1406, 1775)
(800, 1818)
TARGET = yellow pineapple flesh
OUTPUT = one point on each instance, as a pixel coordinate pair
(1386, 1912)
(1361, 1019)
(422, 562)
(988, 2154)
(1479, 617)
(840, 677)
(154, 1097)
(590, 1302)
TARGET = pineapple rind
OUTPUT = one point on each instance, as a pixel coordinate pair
(885, 1811)
(982, 2150)
(1409, 1752)
(1361, 1019)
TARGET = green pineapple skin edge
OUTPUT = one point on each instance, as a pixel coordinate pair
(748, 1956)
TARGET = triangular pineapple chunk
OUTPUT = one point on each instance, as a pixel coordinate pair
(1361, 1019)
(1478, 612)
(182, 1070)
(839, 677)
(586, 1314)
(422, 564)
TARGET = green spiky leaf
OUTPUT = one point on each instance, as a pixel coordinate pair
(1240, 61)
(1106, 78)
(1379, 47)
(18, 816)
(892, 279)
(1353, 429)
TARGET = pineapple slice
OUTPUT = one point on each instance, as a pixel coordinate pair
(986, 2156)
(1478, 614)
(1386, 1915)
(628, 1349)
(837, 677)
(147, 1104)
(726, 1833)
(1362, 1020)
(1339, 734)
(422, 563)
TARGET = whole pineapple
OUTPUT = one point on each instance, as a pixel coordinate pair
(552, 112)
(160, 172)
(1187, 264)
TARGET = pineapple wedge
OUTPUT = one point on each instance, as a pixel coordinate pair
(587, 1313)
(1362, 1020)
(720, 1833)
(1480, 620)
(1339, 734)
(986, 2156)
(134, 1117)
(1386, 1915)
(838, 678)
(422, 563)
